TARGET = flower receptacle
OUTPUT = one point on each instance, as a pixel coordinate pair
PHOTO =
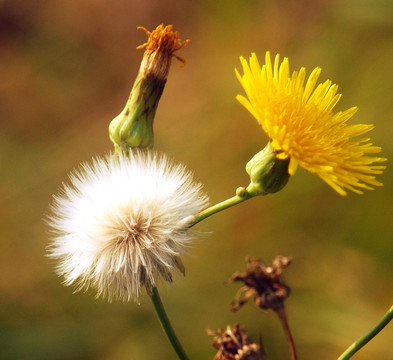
(268, 174)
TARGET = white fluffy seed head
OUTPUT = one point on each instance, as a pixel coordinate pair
(123, 221)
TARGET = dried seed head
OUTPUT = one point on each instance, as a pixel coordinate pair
(233, 343)
(262, 282)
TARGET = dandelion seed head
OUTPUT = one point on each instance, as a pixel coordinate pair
(122, 222)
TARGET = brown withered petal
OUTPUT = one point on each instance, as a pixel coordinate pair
(160, 47)
(262, 282)
(233, 343)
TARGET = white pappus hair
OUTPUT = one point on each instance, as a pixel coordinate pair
(122, 221)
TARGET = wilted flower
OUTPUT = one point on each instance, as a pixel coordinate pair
(302, 127)
(133, 127)
(160, 47)
(233, 343)
(264, 283)
(123, 221)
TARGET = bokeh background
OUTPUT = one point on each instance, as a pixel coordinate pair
(66, 68)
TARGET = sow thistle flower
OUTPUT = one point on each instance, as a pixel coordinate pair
(122, 222)
(297, 115)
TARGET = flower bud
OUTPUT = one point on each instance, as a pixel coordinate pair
(133, 127)
(268, 174)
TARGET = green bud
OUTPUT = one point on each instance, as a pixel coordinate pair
(268, 174)
(241, 192)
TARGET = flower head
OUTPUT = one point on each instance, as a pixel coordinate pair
(233, 343)
(123, 221)
(262, 282)
(301, 125)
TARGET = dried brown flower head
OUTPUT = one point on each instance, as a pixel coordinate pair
(265, 283)
(233, 343)
(160, 48)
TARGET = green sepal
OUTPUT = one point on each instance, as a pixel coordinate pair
(268, 174)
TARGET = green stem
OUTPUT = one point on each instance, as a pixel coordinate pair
(357, 345)
(242, 194)
(166, 325)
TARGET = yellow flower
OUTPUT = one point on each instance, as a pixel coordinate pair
(301, 125)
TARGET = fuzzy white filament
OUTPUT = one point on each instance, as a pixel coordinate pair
(122, 221)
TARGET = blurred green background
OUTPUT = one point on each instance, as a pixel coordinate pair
(66, 68)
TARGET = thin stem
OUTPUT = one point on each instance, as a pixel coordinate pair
(357, 345)
(166, 325)
(284, 322)
(242, 195)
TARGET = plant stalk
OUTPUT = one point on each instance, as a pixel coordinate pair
(281, 313)
(358, 344)
(166, 325)
(242, 194)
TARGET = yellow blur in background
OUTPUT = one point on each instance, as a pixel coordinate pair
(66, 68)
